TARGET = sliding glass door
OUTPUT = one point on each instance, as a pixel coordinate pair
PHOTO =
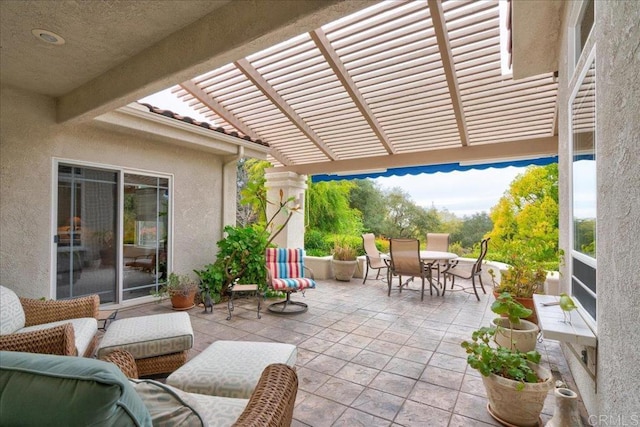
(112, 233)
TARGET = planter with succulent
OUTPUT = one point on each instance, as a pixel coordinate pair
(515, 383)
(344, 260)
(181, 289)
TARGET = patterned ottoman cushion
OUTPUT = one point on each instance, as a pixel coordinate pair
(148, 336)
(230, 368)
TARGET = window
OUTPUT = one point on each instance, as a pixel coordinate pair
(583, 27)
(583, 145)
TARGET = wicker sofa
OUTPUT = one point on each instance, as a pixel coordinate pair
(40, 389)
(66, 327)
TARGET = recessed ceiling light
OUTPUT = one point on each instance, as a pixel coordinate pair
(47, 36)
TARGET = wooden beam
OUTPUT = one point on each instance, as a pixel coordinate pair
(442, 36)
(263, 85)
(219, 109)
(522, 148)
(322, 43)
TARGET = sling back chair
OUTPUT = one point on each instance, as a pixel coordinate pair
(376, 260)
(405, 261)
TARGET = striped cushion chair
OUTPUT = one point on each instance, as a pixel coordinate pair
(286, 273)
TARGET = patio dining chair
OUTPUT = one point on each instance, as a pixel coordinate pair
(405, 261)
(375, 259)
(464, 272)
(438, 242)
(286, 273)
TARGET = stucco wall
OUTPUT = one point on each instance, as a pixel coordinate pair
(613, 400)
(30, 139)
(618, 223)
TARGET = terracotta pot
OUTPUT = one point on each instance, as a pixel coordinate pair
(517, 407)
(528, 303)
(181, 302)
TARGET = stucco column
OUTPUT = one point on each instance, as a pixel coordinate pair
(292, 185)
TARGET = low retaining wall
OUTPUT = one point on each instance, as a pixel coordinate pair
(323, 270)
(320, 265)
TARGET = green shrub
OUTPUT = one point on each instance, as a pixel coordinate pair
(382, 244)
(316, 243)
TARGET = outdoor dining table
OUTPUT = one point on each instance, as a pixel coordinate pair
(436, 256)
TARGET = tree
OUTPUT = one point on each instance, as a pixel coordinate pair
(252, 193)
(526, 217)
(472, 229)
(406, 219)
(366, 197)
(329, 210)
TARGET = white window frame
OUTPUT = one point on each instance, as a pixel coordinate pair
(590, 261)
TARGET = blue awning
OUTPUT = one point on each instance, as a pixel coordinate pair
(444, 167)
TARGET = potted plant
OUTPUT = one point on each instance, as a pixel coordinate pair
(515, 383)
(344, 260)
(181, 289)
(521, 280)
(513, 331)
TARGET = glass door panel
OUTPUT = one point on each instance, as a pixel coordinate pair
(145, 223)
(86, 234)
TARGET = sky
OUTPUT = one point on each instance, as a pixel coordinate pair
(461, 193)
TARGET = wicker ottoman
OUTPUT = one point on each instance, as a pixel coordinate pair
(159, 343)
(231, 368)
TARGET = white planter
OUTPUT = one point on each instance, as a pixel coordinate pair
(525, 334)
(343, 270)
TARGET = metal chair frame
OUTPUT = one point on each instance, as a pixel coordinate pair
(476, 271)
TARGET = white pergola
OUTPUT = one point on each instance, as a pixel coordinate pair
(399, 83)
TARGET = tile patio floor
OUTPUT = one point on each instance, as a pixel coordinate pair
(366, 359)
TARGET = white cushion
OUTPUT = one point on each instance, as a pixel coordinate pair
(11, 312)
(84, 329)
(170, 406)
(230, 368)
(148, 336)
